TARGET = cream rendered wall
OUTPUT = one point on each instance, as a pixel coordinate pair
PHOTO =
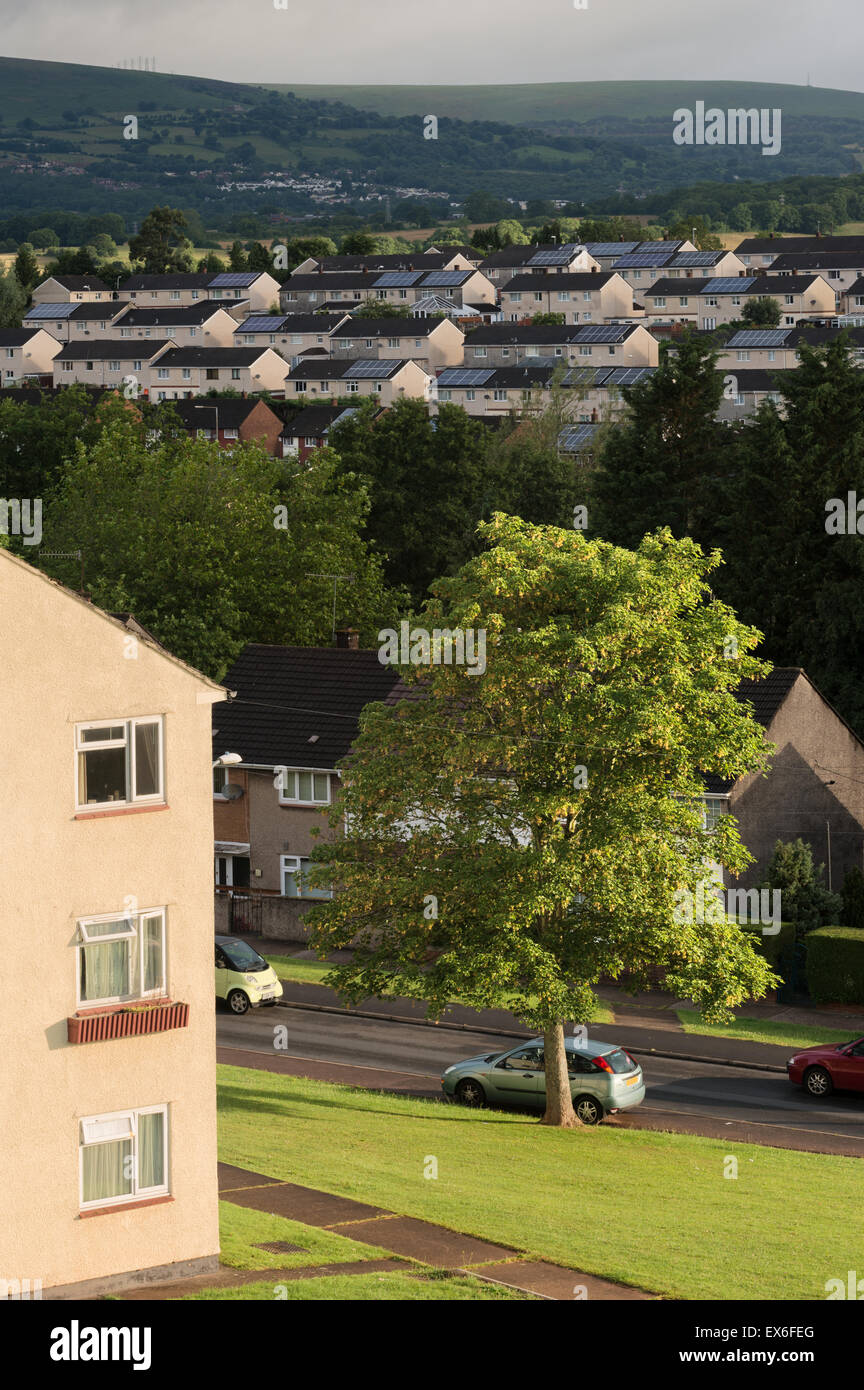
(63, 662)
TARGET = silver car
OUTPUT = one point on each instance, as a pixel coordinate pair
(603, 1078)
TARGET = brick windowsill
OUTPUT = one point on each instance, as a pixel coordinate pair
(120, 811)
(125, 1206)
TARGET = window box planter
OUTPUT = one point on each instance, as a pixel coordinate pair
(130, 1022)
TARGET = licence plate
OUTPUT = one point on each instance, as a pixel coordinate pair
(632, 1080)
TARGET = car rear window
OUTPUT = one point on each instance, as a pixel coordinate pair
(619, 1060)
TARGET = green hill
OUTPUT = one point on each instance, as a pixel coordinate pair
(581, 102)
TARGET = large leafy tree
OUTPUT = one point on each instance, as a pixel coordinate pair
(162, 246)
(517, 835)
(37, 438)
(189, 539)
(13, 300)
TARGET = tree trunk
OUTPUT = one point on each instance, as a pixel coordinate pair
(559, 1102)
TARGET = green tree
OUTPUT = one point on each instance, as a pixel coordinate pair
(762, 312)
(212, 263)
(26, 266)
(804, 900)
(43, 238)
(553, 800)
(162, 246)
(250, 572)
(656, 464)
(511, 233)
(358, 244)
(704, 240)
(550, 319)
(13, 300)
(379, 309)
(237, 257)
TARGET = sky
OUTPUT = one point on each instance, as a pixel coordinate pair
(406, 42)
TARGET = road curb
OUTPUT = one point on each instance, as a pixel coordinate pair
(500, 1032)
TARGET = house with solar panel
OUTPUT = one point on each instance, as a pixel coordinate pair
(178, 372)
(642, 268)
(778, 347)
(69, 322)
(710, 302)
(589, 297)
(498, 391)
(306, 293)
(256, 291)
(570, 258)
(332, 380)
(609, 344)
(431, 342)
(257, 288)
(293, 336)
(606, 253)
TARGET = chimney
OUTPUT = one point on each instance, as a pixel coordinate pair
(348, 638)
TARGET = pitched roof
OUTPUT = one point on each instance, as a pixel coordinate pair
(579, 280)
(230, 412)
(178, 314)
(819, 260)
(386, 328)
(106, 348)
(212, 357)
(762, 245)
(357, 368)
(289, 696)
(392, 260)
(313, 422)
(78, 282)
(16, 337)
(166, 282)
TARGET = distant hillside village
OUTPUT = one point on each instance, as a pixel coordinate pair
(495, 334)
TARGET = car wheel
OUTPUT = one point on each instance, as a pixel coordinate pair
(238, 1002)
(588, 1110)
(470, 1092)
(817, 1082)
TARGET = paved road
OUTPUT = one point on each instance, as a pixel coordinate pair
(691, 1096)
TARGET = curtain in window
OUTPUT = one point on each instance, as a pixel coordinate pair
(146, 759)
(105, 970)
(153, 974)
(151, 1155)
(106, 1170)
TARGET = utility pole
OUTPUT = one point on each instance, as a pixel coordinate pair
(349, 578)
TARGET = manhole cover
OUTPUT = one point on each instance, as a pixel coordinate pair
(281, 1247)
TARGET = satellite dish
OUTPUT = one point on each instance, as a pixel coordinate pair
(232, 791)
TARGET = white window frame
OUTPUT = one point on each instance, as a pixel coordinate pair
(133, 923)
(130, 1117)
(156, 798)
(291, 775)
(291, 864)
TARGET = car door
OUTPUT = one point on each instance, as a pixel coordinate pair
(518, 1077)
(585, 1079)
(223, 974)
(848, 1069)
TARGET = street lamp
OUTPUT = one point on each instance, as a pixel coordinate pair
(228, 760)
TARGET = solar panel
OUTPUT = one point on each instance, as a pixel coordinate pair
(261, 323)
(586, 376)
(368, 366)
(571, 440)
(664, 244)
(465, 376)
(642, 258)
(685, 258)
(759, 337)
(728, 284)
(557, 255)
(603, 333)
(611, 248)
(51, 311)
(626, 376)
(232, 279)
(392, 278)
(444, 277)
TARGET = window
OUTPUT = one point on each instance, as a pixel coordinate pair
(736, 299)
(470, 395)
(394, 342)
(833, 274)
(529, 1059)
(788, 299)
(186, 373)
(370, 342)
(123, 1156)
(89, 366)
(505, 352)
(479, 352)
(564, 294)
(683, 301)
(193, 332)
(120, 763)
(659, 302)
(403, 294)
(230, 434)
(772, 356)
(499, 395)
(713, 807)
(212, 374)
(444, 395)
(235, 373)
(162, 373)
(742, 356)
(66, 366)
(711, 301)
(587, 317)
(310, 788)
(295, 882)
(585, 352)
(353, 386)
(516, 298)
(175, 294)
(121, 958)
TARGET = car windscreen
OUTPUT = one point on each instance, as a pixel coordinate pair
(242, 957)
(619, 1061)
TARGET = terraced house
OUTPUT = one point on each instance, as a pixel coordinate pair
(108, 1145)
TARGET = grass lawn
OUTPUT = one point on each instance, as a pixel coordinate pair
(645, 1208)
(314, 972)
(385, 1288)
(763, 1030)
(242, 1228)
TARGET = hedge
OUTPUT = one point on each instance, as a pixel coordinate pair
(835, 965)
(773, 949)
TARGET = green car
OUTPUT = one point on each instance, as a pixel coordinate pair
(603, 1078)
(243, 978)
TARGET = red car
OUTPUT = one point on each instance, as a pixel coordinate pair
(829, 1067)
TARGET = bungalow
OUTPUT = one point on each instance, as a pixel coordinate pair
(302, 715)
(26, 352)
(386, 380)
(571, 258)
(432, 342)
(507, 344)
(176, 371)
(70, 289)
(106, 363)
(592, 297)
(201, 325)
